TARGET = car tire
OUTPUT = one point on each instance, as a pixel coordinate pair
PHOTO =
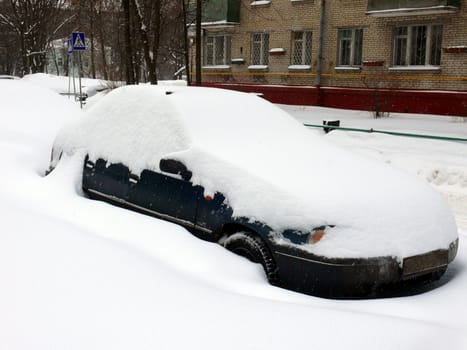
(253, 248)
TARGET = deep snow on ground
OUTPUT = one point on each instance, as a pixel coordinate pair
(82, 274)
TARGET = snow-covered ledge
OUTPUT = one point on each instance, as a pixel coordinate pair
(348, 68)
(217, 67)
(299, 67)
(261, 3)
(258, 67)
(277, 51)
(373, 63)
(414, 68)
(238, 61)
(455, 49)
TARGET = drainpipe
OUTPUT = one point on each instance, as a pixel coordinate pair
(319, 66)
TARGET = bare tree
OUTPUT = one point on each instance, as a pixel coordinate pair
(34, 23)
(186, 53)
(101, 36)
(159, 24)
(9, 55)
(127, 24)
(172, 44)
(102, 21)
(148, 21)
(132, 40)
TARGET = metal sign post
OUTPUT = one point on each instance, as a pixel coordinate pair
(78, 43)
(69, 52)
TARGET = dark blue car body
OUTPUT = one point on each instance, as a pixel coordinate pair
(171, 196)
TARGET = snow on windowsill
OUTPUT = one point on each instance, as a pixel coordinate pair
(216, 24)
(352, 68)
(394, 68)
(258, 67)
(277, 51)
(237, 61)
(260, 3)
(218, 67)
(299, 67)
(220, 24)
(373, 63)
(411, 11)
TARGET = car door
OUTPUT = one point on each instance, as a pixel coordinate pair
(101, 178)
(212, 212)
(168, 196)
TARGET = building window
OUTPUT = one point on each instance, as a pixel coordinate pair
(260, 49)
(417, 45)
(301, 48)
(350, 47)
(218, 50)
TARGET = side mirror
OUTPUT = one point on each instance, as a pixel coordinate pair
(175, 167)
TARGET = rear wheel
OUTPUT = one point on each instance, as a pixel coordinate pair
(253, 248)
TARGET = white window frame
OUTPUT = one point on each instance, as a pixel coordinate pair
(356, 47)
(262, 40)
(306, 44)
(408, 60)
(214, 43)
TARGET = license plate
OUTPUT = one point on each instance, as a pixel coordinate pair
(424, 263)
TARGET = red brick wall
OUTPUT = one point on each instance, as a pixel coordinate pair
(404, 101)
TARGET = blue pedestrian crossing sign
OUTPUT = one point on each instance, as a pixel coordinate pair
(78, 41)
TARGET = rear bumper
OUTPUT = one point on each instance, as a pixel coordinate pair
(358, 278)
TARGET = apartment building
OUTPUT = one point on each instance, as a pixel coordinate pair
(340, 53)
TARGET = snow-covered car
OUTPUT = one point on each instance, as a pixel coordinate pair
(235, 169)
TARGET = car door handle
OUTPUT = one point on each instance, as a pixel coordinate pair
(134, 179)
(90, 164)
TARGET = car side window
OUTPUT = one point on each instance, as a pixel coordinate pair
(175, 167)
(111, 179)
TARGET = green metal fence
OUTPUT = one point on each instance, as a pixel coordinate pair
(394, 133)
